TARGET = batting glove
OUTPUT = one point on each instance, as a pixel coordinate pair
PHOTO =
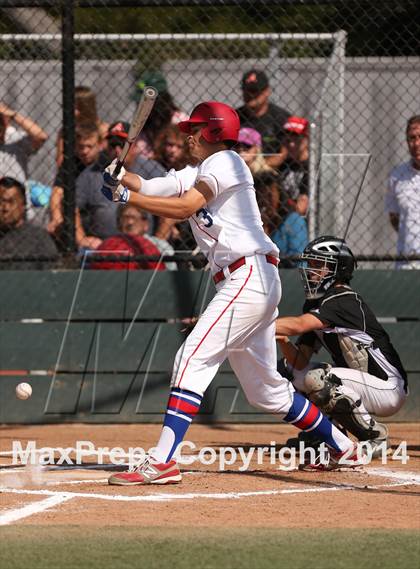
(112, 189)
(116, 193)
(109, 171)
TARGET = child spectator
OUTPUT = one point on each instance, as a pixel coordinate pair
(88, 148)
(281, 222)
(85, 112)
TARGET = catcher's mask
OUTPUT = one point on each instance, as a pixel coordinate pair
(324, 261)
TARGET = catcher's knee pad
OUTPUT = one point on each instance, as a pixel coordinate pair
(345, 412)
(321, 386)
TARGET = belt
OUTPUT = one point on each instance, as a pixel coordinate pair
(220, 275)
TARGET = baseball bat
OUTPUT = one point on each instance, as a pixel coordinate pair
(140, 117)
(357, 196)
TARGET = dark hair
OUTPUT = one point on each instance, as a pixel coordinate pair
(7, 183)
(86, 130)
(85, 103)
(161, 115)
(263, 183)
(411, 121)
(266, 178)
(268, 190)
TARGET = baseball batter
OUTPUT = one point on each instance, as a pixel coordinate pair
(219, 200)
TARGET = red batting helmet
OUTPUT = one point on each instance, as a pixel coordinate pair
(221, 122)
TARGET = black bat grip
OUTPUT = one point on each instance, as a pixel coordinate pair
(117, 169)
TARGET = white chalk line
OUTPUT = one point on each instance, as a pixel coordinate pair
(399, 475)
(191, 496)
(16, 514)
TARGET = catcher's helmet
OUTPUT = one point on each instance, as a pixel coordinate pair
(324, 261)
(221, 122)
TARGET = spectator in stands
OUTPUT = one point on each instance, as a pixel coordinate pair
(281, 222)
(89, 144)
(267, 188)
(292, 235)
(294, 170)
(131, 240)
(19, 239)
(402, 201)
(133, 221)
(85, 112)
(20, 137)
(265, 117)
(164, 113)
(249, 147)
(171, 149)
(178, 234)
(99, 216)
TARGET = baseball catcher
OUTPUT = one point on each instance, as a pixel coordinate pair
(368, 376)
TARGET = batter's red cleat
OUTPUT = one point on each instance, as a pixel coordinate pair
(335, 460)
(148, 472)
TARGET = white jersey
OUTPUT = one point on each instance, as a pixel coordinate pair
(230, 225)
(185, 179)
(403, 198)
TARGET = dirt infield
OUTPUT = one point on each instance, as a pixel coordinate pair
(376, 496)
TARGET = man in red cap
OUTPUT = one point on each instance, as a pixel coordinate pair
(294, 170)
(218, 198)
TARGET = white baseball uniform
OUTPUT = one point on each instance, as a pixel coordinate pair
(239, 323)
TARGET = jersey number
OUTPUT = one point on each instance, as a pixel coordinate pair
(206, 216)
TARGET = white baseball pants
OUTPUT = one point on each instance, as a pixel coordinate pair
(239, 324)
(382, 398)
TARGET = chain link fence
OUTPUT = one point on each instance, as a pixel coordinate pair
(324, 91)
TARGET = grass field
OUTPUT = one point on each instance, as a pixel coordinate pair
(49, 547)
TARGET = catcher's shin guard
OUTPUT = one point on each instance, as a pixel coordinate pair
(345, 412)
(323, 389)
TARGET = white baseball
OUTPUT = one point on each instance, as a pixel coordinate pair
(23, 391)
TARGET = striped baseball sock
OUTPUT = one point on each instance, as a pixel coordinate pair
(304, 415)
(182, 407)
